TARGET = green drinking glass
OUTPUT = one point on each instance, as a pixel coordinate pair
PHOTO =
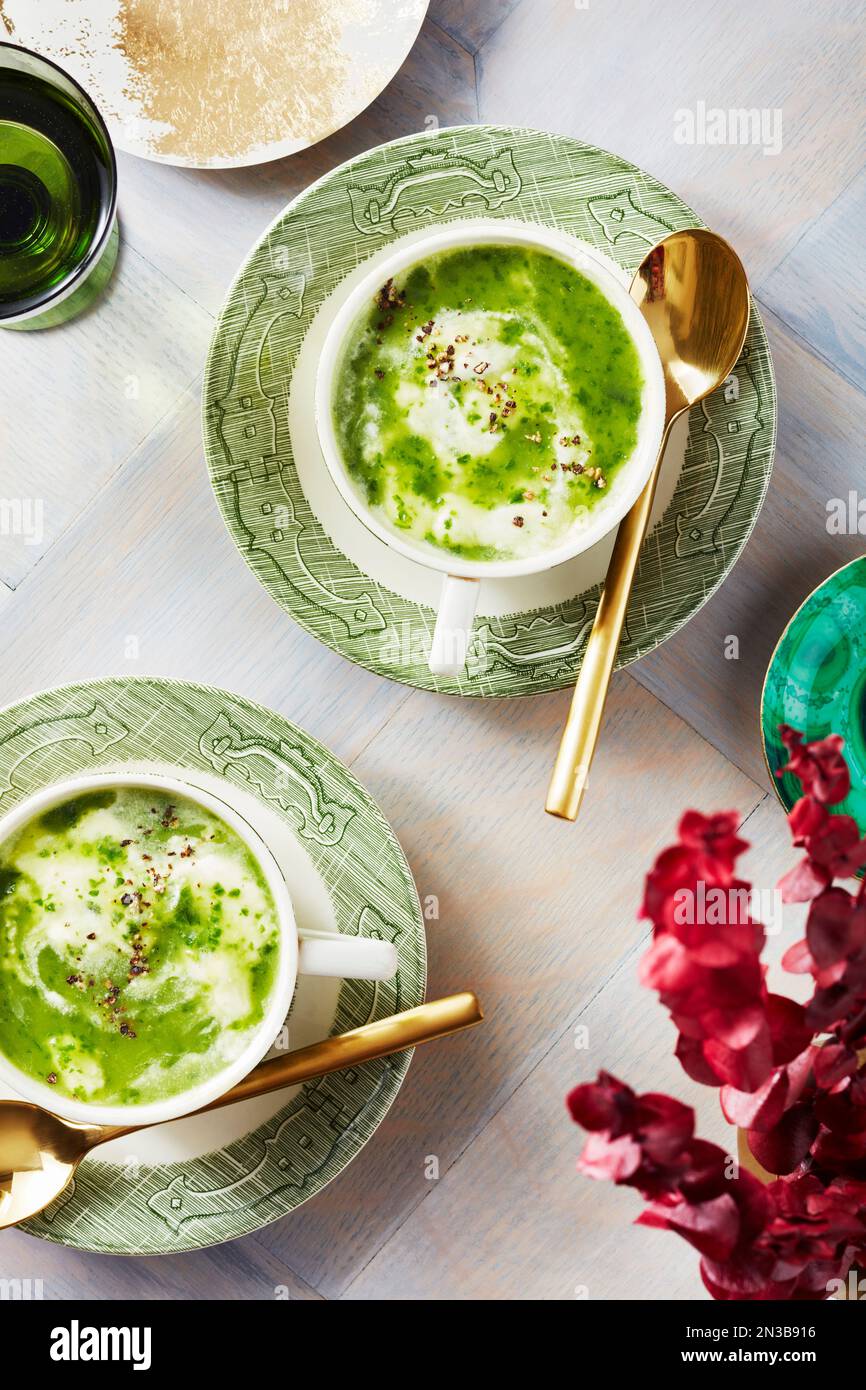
(58, 194)
(816, 682)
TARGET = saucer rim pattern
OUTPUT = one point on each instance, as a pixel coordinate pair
(435, 177)
(237, 1189)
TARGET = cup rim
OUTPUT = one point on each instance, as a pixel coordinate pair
(94, 252)
(494, 231)
(188, 1101)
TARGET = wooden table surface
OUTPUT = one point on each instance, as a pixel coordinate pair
(101, 420)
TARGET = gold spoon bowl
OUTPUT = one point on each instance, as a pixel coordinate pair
(39, 1152)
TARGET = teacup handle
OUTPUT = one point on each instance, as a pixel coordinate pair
(457, 603)
(346, 957)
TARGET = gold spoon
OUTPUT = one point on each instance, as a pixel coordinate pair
(693, 293)
(39, 1152)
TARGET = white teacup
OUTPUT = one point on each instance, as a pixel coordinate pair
(460, 588)
(301, 953)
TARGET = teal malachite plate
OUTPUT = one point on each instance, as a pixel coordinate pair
(286, 517)
(816, 682)
(210, 1178)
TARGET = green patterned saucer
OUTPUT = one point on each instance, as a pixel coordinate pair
(816, 682)
(210, 1178)
(283, 511)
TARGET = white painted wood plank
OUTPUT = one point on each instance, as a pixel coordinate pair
(818, 289)
(242, 1269)
(535, 914)
(79, 398)
(539, 917)
(471, 22)
(819, 457)
(150, 583)
(511, 1219)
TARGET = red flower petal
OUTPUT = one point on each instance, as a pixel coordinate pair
(613, 1159)
(803, 1105)
(832, 926)
(799, 1072)
(605, 1104)
(714, 835)
(837, 846)
(744, 1069)
(797, 960)
(690, 1055)
(744, 1281)
(783, 1148)
(833, 1064)
(789, 1031)
(711, 1227)
(803, 883)
(736, 1029)
(709, 1172)
(806, 817)
(820, 766)
(759, 1109)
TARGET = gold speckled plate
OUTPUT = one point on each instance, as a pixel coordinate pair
(213, 84)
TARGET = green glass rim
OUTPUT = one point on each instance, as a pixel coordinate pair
(94, 252)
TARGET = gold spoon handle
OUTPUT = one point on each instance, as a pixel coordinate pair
(580, 735)
(435, 1019)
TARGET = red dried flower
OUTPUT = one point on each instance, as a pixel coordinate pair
(714, 836)
(704, 960)
(820, 766)
(800, 1096)
(786, 1240)
(836, 928)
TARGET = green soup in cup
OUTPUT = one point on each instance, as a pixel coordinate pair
(489, 403)
(138, 946)
(148, 948)
(487, 399)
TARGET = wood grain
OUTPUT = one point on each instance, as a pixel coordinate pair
(818, 288)
(536, 915)
(512, 1214)
(818, 457)
(470, 23)
(250, 1272)
(606, 73)
(85, 395)
(149, 583)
